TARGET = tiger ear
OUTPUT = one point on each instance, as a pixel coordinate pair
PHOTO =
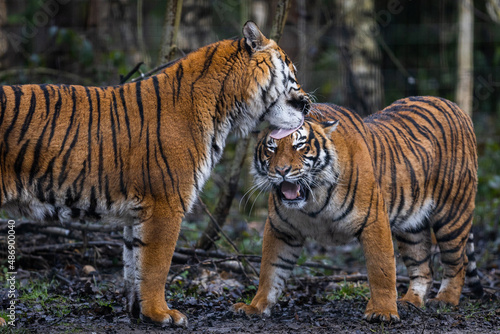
(329, 126)
(253, 37)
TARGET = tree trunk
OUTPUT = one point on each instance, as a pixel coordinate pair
(280, 20)
(4, 44)
(361, 76)
(464, 88)
(170, 29)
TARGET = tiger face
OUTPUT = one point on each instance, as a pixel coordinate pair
(278, 97)
(297, 164)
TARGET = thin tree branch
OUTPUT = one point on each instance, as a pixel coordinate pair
(280, 20)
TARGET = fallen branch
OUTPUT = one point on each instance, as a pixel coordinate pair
(71, 226)
(67, 246)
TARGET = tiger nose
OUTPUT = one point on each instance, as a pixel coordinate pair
(283, 170)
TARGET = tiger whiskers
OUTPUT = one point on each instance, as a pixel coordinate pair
(311, 96)
(261, 185)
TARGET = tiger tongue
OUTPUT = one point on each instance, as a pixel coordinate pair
(290, 190)
(282, 133)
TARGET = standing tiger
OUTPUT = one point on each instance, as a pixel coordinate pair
(139, 153)
(409, 169)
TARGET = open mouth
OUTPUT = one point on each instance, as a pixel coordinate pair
(292, 192)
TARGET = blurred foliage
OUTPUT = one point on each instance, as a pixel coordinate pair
(350, 290)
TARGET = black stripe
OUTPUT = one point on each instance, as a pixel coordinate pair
(350, 206)
(72, 118)
(115, 108)
(28, 118)
(123, 186)
(113, 135)
(107, 193)
(179, 75)
(288, 239)
(140, 107)
(55, 114)
(100, 165)
(290, 262)
(330, 192)
(18, 167)
(91, 212)
(36, 155)
(46, 95)
(17, 101)
(148, 168)
(64, 164)
(361, 228)
(454, 233)
(125, 114)
(98, 100)
(409, 261)
(89, 134)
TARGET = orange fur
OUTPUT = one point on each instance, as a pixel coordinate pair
(138, 154)
(409, 168)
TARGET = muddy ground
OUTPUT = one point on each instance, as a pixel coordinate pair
(56, 293)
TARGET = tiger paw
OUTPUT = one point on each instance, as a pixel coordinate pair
(382, 316)
(166, 317)
(243, 308)
(410, 298)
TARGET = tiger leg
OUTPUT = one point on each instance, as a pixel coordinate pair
(471, 276)
(280, 252)
(452, 238)
(130, 253)
(157, 241)
(376, 241)
(415, 249)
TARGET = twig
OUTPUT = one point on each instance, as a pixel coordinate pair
(155, 70)
(124, 79)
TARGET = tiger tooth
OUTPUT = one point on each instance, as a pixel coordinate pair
(298, 193)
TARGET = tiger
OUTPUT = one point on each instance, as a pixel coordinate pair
(137, 154)
(410, 169)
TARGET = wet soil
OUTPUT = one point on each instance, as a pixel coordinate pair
(79, 300)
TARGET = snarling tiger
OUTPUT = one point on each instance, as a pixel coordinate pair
(409, 169)
(139, 153)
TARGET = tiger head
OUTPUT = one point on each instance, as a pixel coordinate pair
(296, 165)
(274, 93)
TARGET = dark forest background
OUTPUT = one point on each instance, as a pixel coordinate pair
(362, 54)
